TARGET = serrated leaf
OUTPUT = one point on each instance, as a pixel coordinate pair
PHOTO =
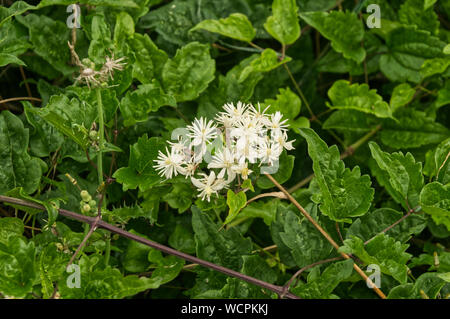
(17, 167)
(235, 26)
(140, 172)
(416, 12)
(435, 200)
(305, 243)
(225, 248)
(343, 29)
(136, 105)
(412, 129)
(383, 251)
(189, 72)
(323, 285)
(376, 221)
(399, 174)
(10, 227)
(6, 58)
(283, 24)
(344, 193)
(408, 50)
(344, 95)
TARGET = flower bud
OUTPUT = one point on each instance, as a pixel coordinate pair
(86, 208)
(85, 196)
(93, 135)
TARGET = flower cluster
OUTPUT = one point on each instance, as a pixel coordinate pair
(242, 137)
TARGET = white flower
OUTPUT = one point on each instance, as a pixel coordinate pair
(276, 122)
(223, 159)
(208, 185)
(269, 152)
(281, 139)
(259, 115)
(242, 168)
(235, 113)
(169, 164)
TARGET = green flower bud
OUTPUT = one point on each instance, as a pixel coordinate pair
(93, 135)
(85, 196)
(86, 208)
(92, 203)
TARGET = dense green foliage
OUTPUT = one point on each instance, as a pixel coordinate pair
(368, 109)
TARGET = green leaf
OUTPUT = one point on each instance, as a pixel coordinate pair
(401, 96)
(101, 41)
(149, 59)
(235, 203)
(443, 97)
(124, 29)
(44, 137)
(6, 58)
(70, 117)
(305, 243)
(267, 61)
(344, 193)
(182, 239)
(287, 102)
(17, 267)
(344, 95)
(343, 29)
(102, 3)
(10, 227)
(236, 26)
(189, 72)
(49, 38)
(180, 197)
(283, 24)
(17, 167)
(167, 269)
(435, 200)
(408, 50)
(265, 210)
(351, 120)
(140, 172)
(281, 172)
(322, 286)
(412, 129)
(135, 258)
(224, 248)
(434, 66)
(18, 7)
(376, 221)
(136, 105)
(416, 12)
(383, 251)
(399, 174)
(430, 284)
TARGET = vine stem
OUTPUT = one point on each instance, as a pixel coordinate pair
(327, 236)
(20, 99)
(349, 151)
(101, 133)
(99, 223)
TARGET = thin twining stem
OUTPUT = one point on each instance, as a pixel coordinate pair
(271, 194)
(102, 224)
(327, 236)
(12, 99)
